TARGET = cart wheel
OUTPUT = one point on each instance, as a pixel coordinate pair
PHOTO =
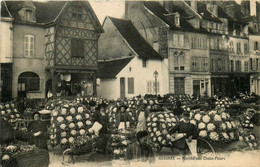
(204, 148)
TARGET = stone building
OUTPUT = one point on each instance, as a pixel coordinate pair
(54, 47)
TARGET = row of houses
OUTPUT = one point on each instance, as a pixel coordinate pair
(208, 47)
(180, 47)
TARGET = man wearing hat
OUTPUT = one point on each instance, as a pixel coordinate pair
(140, 150)
(187, 128)
(141, 117)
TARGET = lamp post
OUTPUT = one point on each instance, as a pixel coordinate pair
(155, 74)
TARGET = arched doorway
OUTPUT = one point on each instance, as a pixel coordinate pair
(28, 81)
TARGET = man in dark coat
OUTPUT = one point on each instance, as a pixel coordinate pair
(184, 126)
(178, 110)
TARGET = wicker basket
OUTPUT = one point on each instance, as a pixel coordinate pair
(34, 158)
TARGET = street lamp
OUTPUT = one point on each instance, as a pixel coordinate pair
(155, 74)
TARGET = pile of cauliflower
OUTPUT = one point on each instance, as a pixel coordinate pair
(68, 121)
(158, 125)
(117, 145)
(6, 152)
(215, 125)
(9, 112)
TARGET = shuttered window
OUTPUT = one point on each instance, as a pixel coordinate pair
(77, 47)
(131, 85)
(28, 45)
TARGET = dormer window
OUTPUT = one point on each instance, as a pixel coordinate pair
(177, 20)
(28, 15)
(27, 12)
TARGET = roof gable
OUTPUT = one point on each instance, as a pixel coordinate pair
(135, 40)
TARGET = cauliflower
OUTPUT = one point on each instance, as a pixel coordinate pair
(64, 141)
(69, 118)
(152, 134)
(214, 136)
(193, 122)
(86, 116)
(53, 136)
(252, 137)
(82, 131)
(62, 126)
(166, 115)
(114, 109)
(197, 117)
(72, 110)
(164, 142)
(233, 124)
(73, 132)
(217, 118)
(232, 135)
(225, 135)
(223, 126)
(9, 111)
(163, 126)
(60, 119)
(213, 112)
(158, 133)
(149, 124)
(149, 129)
(168, 136)
(206, 119)
(211, 127)
(154, 124)
(228, 116)
(155, 119)
(78, 117)
(15, 110)
(5, 157)
(159, 138)
(154, 129)
(203, 133)
(63, 111)
(151, 102)
(202, 125)
(173, 120)
(224, 116)
(160, 116)
(240, 138)
(71, 125)
(80, 109)
(63, 134)
(3, 112)
(71, 139)
(154, 139)
(229, 126)
(80, 124)
(88, 122)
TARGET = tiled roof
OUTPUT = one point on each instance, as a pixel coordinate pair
(110, 68)
(163, 14)
(45, 11)
(128, 31)
(202, 10)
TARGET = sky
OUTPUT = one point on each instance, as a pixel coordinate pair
(116, 8)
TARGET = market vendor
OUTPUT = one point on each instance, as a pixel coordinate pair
(123, 118)
(141, 118)
(178, 110)
(140, 150)
(39, 129)
(189, 129)
(100, 127)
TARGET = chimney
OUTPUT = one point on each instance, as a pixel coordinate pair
(194, 4)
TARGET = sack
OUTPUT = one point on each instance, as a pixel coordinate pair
(193, 147)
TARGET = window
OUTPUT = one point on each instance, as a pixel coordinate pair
(251, 64)
(179, 61)
(198, 42)
(175, 39)
(144, 63)
(257, 64)
(231, 46)
(77, 47)
(245, 48)
(28, 45)
(151, 87)
(255, 45)
(231, 65)
(29, 81)
(28, 15)
(76, 12)
(181, 39)
(219, 65)
(238, 65)
(131, 85)
(246, 65)
(238, 47)
(194, 64)
(177, 20)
